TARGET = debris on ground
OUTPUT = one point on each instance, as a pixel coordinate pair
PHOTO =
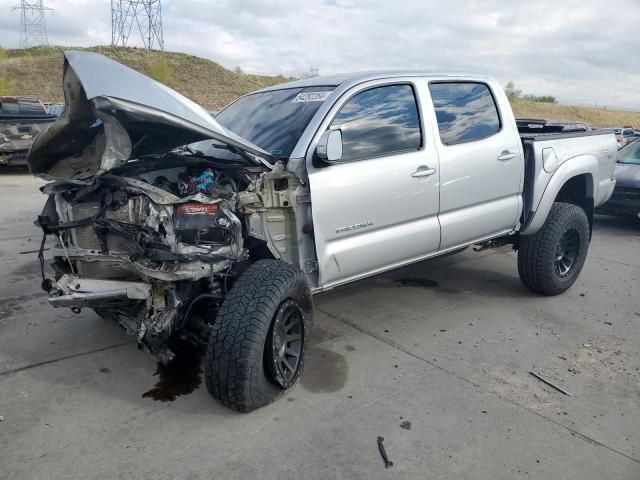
(387, 463)
(548, 382)
(1, 418)
(406, 425)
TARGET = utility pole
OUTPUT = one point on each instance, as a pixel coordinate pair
(145, 16)
(33, 28)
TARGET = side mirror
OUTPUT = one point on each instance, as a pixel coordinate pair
(329, 147)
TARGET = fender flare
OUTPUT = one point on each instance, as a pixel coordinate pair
(570, 168)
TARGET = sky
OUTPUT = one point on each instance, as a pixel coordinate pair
(583, 51)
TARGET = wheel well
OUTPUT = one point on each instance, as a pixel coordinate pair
(578, 191)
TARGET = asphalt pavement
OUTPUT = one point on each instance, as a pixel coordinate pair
(445, 346)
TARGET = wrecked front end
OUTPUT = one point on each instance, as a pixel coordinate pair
(139, 253)
(158, 250)
(146, 232)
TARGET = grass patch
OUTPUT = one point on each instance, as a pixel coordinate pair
(161, 71)
(7, 86)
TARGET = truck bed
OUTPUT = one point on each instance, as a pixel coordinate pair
(565, 146)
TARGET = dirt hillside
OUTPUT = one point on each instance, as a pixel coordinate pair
(38, 71)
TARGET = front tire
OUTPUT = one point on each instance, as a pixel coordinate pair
(550, 261)
(257, 343)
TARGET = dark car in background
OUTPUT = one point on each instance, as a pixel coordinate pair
(626, 195)
(22, 119)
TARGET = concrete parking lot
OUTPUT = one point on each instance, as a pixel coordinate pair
(445, 344)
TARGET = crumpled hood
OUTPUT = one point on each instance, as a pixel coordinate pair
(112, 114)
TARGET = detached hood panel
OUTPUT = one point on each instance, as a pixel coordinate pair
(113, 114)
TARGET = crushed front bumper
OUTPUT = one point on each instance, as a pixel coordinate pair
(82, 292)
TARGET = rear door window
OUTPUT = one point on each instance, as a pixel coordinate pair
(465, 111)
(379, 121)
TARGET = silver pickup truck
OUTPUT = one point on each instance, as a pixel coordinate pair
(172, 222)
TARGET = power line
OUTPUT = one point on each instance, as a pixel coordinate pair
(145, 16)
(33, 28)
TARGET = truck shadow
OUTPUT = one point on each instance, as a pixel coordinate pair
(454, 275)
(618, 225)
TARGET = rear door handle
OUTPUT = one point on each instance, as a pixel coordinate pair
(506, 155)
(423, 171)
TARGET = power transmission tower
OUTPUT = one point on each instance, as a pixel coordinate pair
(33, 29)
(142, 15)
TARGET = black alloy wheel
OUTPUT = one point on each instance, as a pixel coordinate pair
(285, 343)
(567, 252)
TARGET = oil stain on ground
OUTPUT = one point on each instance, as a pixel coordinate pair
(13, 305)
(426, 283)
(418, 282)
(180, 377)
(325, 371)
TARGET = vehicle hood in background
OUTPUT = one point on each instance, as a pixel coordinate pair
(113, 114)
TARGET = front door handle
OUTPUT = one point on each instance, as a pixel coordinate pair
(506, 155)
(423, 171)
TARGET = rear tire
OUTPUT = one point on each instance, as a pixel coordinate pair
(550, 261)
(257, 343)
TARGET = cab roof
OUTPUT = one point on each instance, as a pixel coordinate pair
(350, 79)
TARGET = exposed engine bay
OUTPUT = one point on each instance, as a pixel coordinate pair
(156, 245)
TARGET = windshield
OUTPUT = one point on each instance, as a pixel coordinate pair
(630, 153)
(273, 120)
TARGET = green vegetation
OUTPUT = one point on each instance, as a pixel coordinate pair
(160, 70)
(515, 94)
(38, 71)
(540, 98)
(7, 86)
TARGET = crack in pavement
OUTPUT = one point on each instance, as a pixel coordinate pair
(54, 360)
(602, 259)
(391, 343)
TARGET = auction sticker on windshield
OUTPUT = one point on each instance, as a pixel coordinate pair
(310, 97)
